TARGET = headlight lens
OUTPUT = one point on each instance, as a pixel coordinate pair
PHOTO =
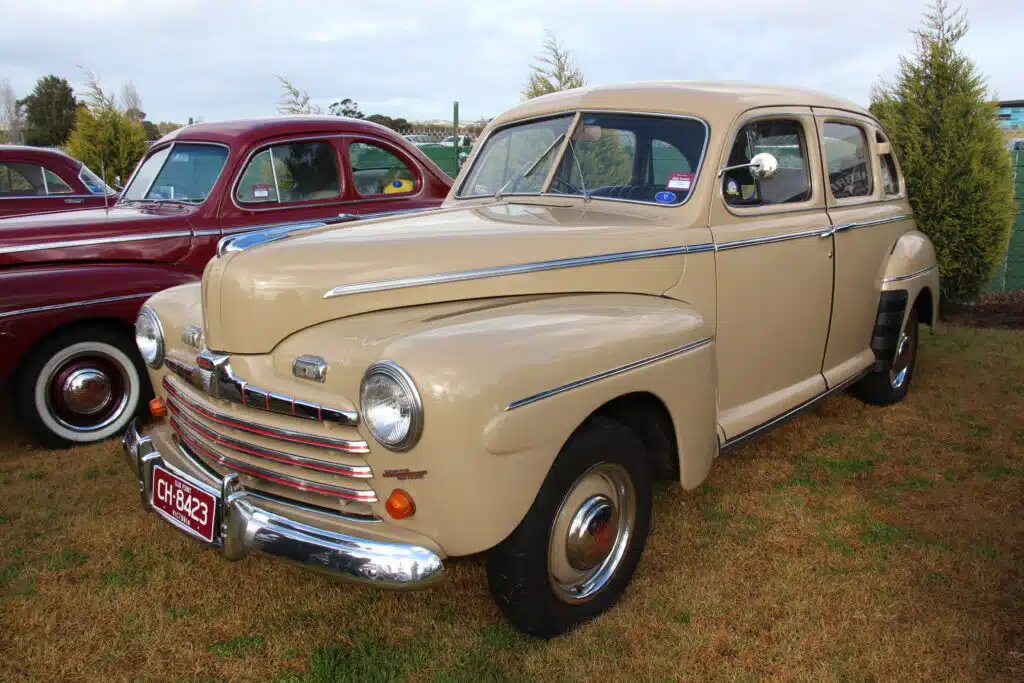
(391, 406)
(149, 337)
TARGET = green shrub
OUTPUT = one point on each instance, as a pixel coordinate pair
(952, 153)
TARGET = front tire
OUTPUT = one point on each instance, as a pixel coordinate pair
(576, 550)
(891, 384)
(80, 387)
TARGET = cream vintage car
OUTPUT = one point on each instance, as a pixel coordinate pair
(625, 283)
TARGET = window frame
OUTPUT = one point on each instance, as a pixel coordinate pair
(578, 115)
(349, 172)
(870, 145)
(279, 205)
(46, 184)
(806, 120)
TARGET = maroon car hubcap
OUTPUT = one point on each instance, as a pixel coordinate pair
(88, 392)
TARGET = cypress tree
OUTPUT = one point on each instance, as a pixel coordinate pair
(953, 156)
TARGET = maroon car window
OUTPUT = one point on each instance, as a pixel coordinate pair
(377, 171)
(21, 180)
(292, 172)
(54, 185)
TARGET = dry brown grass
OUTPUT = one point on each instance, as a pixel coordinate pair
(856, 543)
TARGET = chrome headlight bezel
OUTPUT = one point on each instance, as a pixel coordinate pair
(394, 373)
(149, 317)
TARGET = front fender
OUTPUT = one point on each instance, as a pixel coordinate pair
(40, 299)
(482, 454)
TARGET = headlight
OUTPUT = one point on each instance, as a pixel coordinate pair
(391, 406)
(149, 337)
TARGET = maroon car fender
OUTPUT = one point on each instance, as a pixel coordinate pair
(38, 300)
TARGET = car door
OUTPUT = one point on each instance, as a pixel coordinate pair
(869, 211)
(293, 180)
(774, 270)
(384, 178)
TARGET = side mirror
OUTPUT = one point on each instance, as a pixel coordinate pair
(762, 166)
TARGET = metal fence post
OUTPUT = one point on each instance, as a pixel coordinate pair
(455, 132)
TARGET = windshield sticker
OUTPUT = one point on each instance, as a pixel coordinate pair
(679, 181)
(732, 187)
(261, 191)
(665, 197)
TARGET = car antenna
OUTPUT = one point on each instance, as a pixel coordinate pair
(103, 177)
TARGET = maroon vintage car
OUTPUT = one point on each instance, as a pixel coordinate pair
(72, 282)
(35, 180)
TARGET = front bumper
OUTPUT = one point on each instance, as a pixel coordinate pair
(242, 526)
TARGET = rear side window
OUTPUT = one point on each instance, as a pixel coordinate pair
(292, 172)
(21, 180)
(54, 185)
(376, 171)
(783, 139)
(890, 180)
(846, 152)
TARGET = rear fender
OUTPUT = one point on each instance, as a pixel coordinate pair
(912, 267)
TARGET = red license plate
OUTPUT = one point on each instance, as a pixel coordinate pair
(193, 509)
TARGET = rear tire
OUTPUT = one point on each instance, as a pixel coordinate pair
(80, 387)
(576, 550)
(891, 384)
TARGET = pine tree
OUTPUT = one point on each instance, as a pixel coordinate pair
(555, 70)
(105, 137)
(49, 112)
(951, 151)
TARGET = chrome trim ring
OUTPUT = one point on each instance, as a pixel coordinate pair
(154, 319)
(394, 371)
(591, 532)
(93, 359)
(901, 362)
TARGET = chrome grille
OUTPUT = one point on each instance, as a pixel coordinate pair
(310, 463)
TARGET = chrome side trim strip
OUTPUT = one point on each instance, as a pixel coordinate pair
(193, 445)
(74, 304)
(901, 278)
(345, 470)
(876, 221)
(608, 373)
(518, 269)
(51, 196)
(769, 239)
(40, 246)
(280, 433)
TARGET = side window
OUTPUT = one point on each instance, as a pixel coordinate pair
(21, 180)
(292, 172)
(890, 180)
(669, 166)
(376, 171)
(846, 152)
(784, 140)
(54, 185)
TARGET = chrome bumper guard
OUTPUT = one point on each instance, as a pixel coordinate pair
(242, 527)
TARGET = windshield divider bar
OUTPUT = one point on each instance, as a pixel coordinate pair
(170, 151)
(561, 152)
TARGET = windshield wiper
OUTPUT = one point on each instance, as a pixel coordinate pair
(532, 167)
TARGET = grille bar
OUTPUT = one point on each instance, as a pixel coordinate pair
(355, 471)
(193, 442)
(343, 445)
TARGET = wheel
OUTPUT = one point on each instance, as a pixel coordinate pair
(80, 387)
(574, 553)
(889, 385)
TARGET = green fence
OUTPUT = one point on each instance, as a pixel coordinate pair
(1009, 275)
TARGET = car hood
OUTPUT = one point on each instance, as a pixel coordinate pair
(154, 232)
(253, 299)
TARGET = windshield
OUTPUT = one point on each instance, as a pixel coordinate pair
(628, 157)
(183, 172)
(93, 182)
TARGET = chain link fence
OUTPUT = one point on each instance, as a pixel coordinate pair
(1010, 273)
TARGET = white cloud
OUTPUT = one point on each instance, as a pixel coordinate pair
(218, 59)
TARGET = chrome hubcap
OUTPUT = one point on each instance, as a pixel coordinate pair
(591, 532)
(87, 391)
(901, 363)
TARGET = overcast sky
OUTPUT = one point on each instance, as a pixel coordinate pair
(216, 59)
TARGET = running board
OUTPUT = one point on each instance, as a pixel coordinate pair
(789, 415)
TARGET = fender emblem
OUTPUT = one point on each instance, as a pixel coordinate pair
(405, 473)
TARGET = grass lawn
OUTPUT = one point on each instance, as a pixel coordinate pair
(856, 543)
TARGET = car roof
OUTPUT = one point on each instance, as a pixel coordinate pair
(37, 153)
(248, 130)
(707, 100)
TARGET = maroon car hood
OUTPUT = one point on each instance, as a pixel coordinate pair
(137, 232)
